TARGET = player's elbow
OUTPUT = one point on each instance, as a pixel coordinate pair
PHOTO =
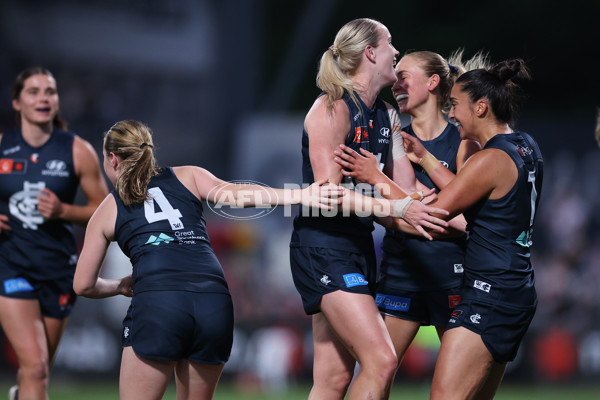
(82, 287)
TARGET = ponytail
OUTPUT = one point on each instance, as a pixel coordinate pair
(343, 58)
(132, 142)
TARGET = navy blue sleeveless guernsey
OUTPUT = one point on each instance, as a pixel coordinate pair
(44, 248)
(407, 256)
(498, 255)
(369, 129)
(166, 240)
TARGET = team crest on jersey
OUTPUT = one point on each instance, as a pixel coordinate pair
(23, 204)
(12, 166)
(34, 157)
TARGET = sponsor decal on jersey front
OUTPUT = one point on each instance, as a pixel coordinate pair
(390, 302)
(12, 166)
(56, 168)
(355, 280)
(325, 280)
(458, 269)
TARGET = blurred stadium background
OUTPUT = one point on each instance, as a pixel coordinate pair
(225, 85)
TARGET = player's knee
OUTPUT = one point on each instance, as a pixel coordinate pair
(381, 363)
(337, 382)
(37, 371)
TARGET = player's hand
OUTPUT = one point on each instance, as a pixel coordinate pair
(413, 147)
(49, 205)
(363, 167)
(420, 216)
(4, 226)
(322, 194)
(126, 286)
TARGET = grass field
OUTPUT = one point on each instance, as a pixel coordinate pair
(95, 391)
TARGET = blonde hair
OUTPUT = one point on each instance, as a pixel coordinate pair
(343, 58)
(132, 142)
(481, 60)
(433, 64)
(448, 70)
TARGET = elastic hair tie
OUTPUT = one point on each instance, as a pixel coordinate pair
(453, 68)
(334, 50)
(144, 145)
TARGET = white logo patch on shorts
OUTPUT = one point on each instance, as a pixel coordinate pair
(481, 285)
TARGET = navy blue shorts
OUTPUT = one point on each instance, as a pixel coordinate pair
(176, 325)
(501, 327)
(56, 296)
(318, 271)
(427, 307)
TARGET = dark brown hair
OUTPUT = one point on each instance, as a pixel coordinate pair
(58, 121)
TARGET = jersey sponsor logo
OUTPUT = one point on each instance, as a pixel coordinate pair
(231, 206)
(34, 157)
(482, 286)
(355, 280)
(389, 302)
(385, 132)
(458, 269)
(156, 240)
(454, 300)
(126, 332)
(11, 150)
(23, 205)
(445, 164)
(325, 280)
(12, 166)
(357, 134)
(475, 318)
(56, 168)
(17, 285)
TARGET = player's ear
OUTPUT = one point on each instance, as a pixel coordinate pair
(114, 160)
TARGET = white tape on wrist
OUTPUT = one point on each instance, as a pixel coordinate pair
(397, 145)
(401, 206)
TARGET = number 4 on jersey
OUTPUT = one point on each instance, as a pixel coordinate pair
(166, 209)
